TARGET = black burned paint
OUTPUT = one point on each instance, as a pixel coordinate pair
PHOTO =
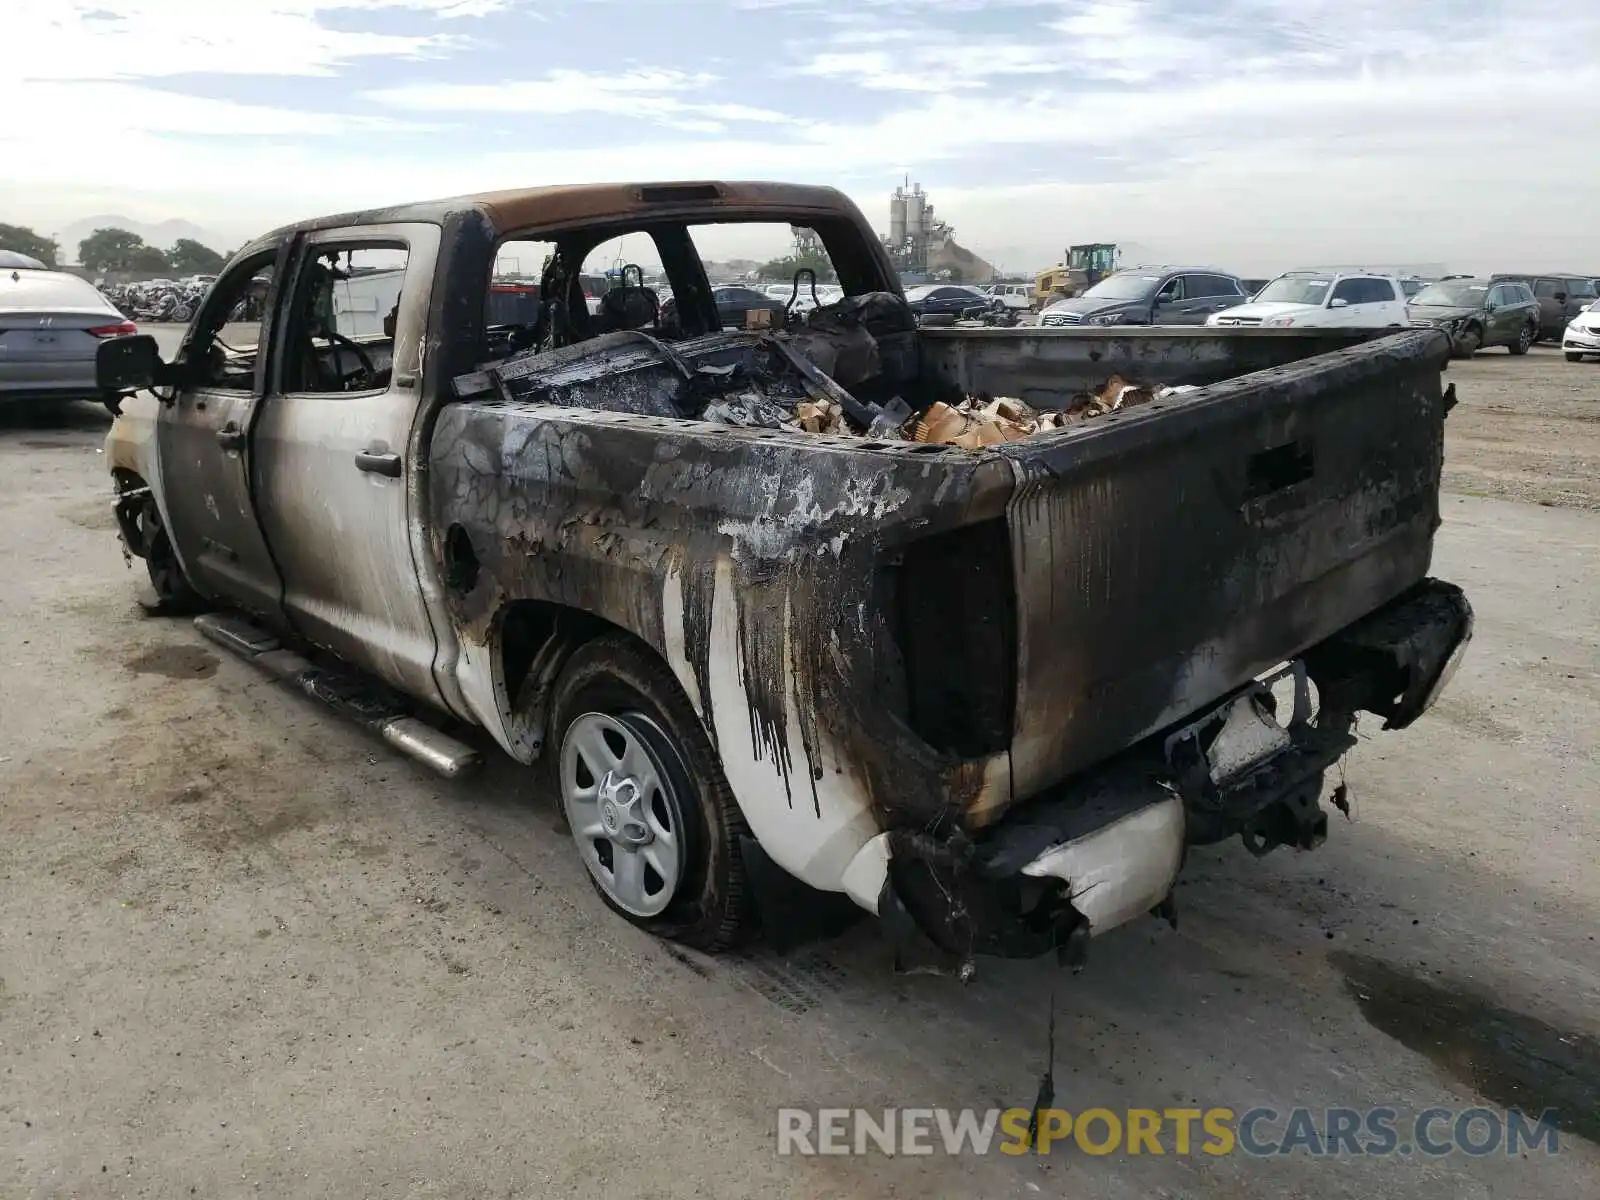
(763, 634)
(595, 511)
(1509, 1057)
(698, 581)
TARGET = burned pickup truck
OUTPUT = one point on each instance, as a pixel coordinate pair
(979, 628)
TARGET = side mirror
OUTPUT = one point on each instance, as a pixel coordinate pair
(1338, 302)
(128, 364)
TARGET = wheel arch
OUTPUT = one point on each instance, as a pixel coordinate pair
(129, 490)
(530, 642)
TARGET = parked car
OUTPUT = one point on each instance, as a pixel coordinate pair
(1561, 295)
(1018, 296)
(1581, 338)
(51, 325)
(1322, 300)
(944, 300)
(1478, 314)
(987, 694)
(1150, 296)
(735, 303)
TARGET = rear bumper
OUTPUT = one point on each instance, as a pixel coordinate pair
(1107, 845)
(70, 380)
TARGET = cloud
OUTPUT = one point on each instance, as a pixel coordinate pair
(133, 39)
(1256, 130)
(655, 95)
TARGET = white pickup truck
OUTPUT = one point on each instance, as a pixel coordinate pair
(1321, 300)
(988, 694)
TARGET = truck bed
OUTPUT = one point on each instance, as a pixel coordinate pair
(1166, 555)
(946, 632)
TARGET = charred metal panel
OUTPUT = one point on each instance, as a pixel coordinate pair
(1044, 367)
(687, 533)
(1176, 550)
(957, 626)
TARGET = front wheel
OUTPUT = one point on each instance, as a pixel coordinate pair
(1523, 342)
(653, 818)
(1467, 344)
(1571, 357)
(174, 592)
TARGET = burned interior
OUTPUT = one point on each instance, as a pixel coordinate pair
(851, 367)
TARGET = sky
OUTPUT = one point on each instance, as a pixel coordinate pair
(1254, 135)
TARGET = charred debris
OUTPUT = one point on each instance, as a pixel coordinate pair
(852, 370)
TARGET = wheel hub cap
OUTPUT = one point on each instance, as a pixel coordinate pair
(623, 808)
(620, 810)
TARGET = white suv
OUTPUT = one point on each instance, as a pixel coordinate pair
(1012, 295)
(1322, 299)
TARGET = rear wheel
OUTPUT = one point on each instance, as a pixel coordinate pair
(654, 821)
(1524, 340)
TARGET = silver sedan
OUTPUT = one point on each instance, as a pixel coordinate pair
(51, 325)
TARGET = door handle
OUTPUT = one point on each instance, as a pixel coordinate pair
(378, 464)
(230, 436)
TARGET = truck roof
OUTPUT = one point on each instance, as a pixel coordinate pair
(524, 208)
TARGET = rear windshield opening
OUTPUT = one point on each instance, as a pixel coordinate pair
(671, 280)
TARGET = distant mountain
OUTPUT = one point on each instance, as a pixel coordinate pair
(162, 235)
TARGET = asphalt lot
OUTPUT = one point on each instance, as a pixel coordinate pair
(245, 950)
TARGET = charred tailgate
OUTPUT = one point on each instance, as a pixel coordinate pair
(1169, 554)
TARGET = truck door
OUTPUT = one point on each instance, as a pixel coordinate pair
(202, 437)
(336, 446)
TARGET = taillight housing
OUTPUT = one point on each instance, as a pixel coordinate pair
(120, 329)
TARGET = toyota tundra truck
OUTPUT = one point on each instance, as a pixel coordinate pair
(987, 692)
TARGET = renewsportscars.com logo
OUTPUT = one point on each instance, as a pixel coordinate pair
(1259, 1132)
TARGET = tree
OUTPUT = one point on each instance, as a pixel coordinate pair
(147, 258)
(189, 257)
(115, 250)
(25, 241)
(784, 268)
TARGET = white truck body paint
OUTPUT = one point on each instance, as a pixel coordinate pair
(815, 823)
(1121, 870)
(864, 878)
(474, 676)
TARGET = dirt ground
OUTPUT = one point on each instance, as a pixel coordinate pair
(247, 951)
(1526, 430)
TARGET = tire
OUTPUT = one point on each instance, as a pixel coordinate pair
(1571, 357)
(619, 718)
(1524, 341)
(174, 592)
(1467, 344)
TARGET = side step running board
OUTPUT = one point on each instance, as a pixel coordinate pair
(367, 703)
